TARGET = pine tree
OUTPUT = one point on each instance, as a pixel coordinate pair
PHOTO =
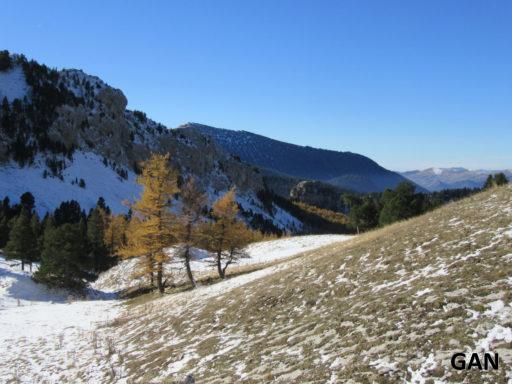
(103, 205)
(27, 201)
(5, 60)
(193, 201)
(4, 231)
(22, 244)
(5, 116)
(227, 235)
(364, 216)
(400, 204)
(37, 231)
(68, 212)
(98, 251)
(489, 182)
(150, 230)
(500, 179)
(63, 261)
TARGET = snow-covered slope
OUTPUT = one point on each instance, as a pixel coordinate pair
(50, 191)
(121, 277)
(34, 318)
(41, 334)
(13, 84)
(61, 127)
(18, 289)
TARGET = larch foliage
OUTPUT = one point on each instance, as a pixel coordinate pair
(227, 236)
(151, 229)
(115, 233)
(193, 202)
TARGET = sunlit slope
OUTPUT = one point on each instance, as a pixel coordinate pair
(390, 305)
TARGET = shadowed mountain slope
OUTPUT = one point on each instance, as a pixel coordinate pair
(343, 169)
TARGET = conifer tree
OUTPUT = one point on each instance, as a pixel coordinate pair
(193, 201)
(103, 205)
(400, 204)
(5, 116)
(37, 231)
(98, 251)
(115, 233)
(489, 182)
(27, 201)
(239, 237)
(150, 230)
(500, 179)
(68, 212)
(364, 216)
(227, 235)
(63, 261)
(22, 244)
(4, 231)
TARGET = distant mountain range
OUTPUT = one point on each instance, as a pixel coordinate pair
(342, 169)
(436, 179)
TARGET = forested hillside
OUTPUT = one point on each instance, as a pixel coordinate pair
(66, 135)
(343, 169)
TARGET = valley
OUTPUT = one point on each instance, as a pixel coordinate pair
(136, 248)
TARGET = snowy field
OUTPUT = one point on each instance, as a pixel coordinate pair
(120, 277)
(42, 330)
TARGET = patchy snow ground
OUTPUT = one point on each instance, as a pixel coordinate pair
(33, 317)
(120, 277)
(18, 289)
(41, 330)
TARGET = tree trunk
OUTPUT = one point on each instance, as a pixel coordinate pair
(30, 266)
(159, 277)
(189, 270)
(219, 265)
(22, 265)
(230, 260)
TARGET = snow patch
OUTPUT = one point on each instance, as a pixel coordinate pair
(13, 84)
(50, 192)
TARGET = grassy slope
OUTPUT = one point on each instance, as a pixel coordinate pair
(389, 305)
(358, 310)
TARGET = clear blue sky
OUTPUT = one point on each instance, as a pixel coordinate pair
(411, 84)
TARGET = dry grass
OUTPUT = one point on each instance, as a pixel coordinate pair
(369, 310)
(336, 313)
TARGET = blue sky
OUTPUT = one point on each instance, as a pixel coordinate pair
(411, 84)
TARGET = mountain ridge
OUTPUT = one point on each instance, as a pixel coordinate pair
(347, 170)
(437, 178)
(57, 127)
